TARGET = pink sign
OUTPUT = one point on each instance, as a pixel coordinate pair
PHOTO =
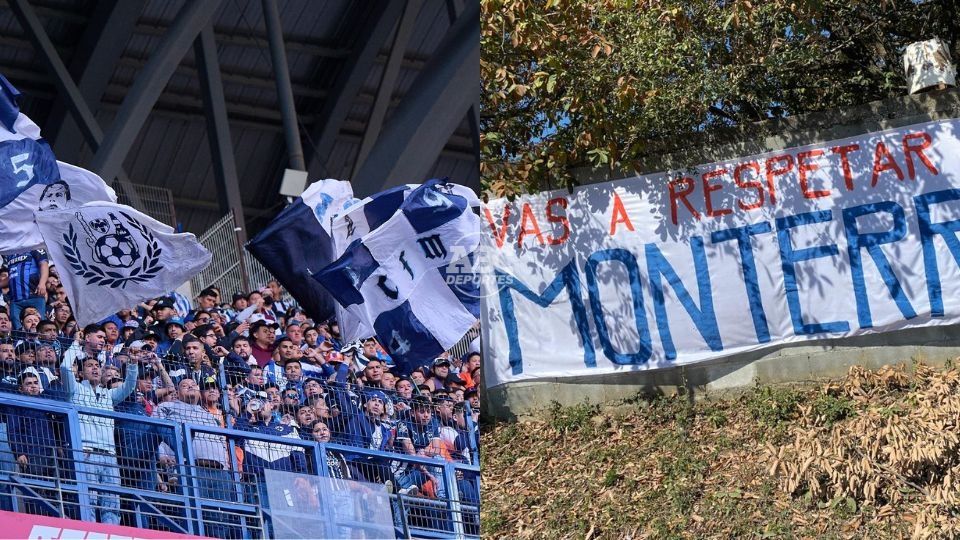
(33, 527)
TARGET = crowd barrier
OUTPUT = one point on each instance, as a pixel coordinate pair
(182, 493)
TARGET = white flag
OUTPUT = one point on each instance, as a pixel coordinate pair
(391, 279)
(328, 198)
(74, 187)
(110, 257)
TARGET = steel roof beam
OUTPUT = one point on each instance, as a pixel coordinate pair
(454, 7)
(78, 106)
(281, 73)
(92, 65)
(388, 81)
(149, 84)
(430, 112)
(335, 108)
(218, 130)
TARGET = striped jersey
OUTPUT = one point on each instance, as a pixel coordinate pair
(25, 273)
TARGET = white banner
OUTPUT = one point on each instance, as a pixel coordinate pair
(111, 257)
(843, 238)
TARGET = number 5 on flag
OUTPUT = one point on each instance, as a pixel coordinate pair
(26, 168)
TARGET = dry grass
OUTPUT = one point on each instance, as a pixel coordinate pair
(876, 455)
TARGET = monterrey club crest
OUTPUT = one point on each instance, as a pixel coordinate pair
(111, 252)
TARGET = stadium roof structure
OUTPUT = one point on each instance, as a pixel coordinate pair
(196, 97)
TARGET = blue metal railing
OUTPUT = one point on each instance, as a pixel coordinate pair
(242, 513)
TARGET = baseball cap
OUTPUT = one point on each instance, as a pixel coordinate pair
(376, 394)
(164, 302)
(131, 324)
(442, 397)
(453, 378)
(472, 391)
(440, 362)
(176, 321)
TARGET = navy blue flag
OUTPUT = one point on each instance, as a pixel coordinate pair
(402, 280)
(25, 158)
(297, 243)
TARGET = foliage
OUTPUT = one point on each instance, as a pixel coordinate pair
(574, 418)
(829, 409)
(570, 83)
(773, 405)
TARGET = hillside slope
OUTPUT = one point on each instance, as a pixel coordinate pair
(876, 455)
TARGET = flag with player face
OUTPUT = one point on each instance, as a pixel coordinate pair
(32, 179)
(110, 257)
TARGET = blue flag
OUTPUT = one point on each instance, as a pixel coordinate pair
(394, 279)
(297, 243)
(26, 159)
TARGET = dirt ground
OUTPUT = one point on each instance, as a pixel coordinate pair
(875, 455)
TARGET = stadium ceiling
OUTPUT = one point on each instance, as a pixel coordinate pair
(184, 95)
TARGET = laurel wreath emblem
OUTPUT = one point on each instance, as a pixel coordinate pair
(94, 275)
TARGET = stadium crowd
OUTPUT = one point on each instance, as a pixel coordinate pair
(250, 363)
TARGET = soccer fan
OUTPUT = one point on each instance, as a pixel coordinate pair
(92, 346)
(373, 374)
(33, 440)
(27, 280)
(6, 326)
(263, 334)
(365, 427)
(371, 350)
(260, 455)
(439, 371)
(206, 300)
(62, 314)
(276, 292)
(471, 362)
(211, 462)
(294, 331)
(312, 387)
(252, 385)
(174, 329)
(8, 366)
(419, 436)
(111, 337)
(96, 433)
(337, 465)
(239, 304)
(305, 420)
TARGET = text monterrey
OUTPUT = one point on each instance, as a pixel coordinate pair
(829, 240)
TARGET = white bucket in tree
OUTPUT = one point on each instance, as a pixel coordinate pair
(927, 64)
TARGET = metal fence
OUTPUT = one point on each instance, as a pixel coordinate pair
(156, 202)
(232, 268)
(156, 474)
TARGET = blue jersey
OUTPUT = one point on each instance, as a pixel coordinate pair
(421, 435)
(25, 273)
